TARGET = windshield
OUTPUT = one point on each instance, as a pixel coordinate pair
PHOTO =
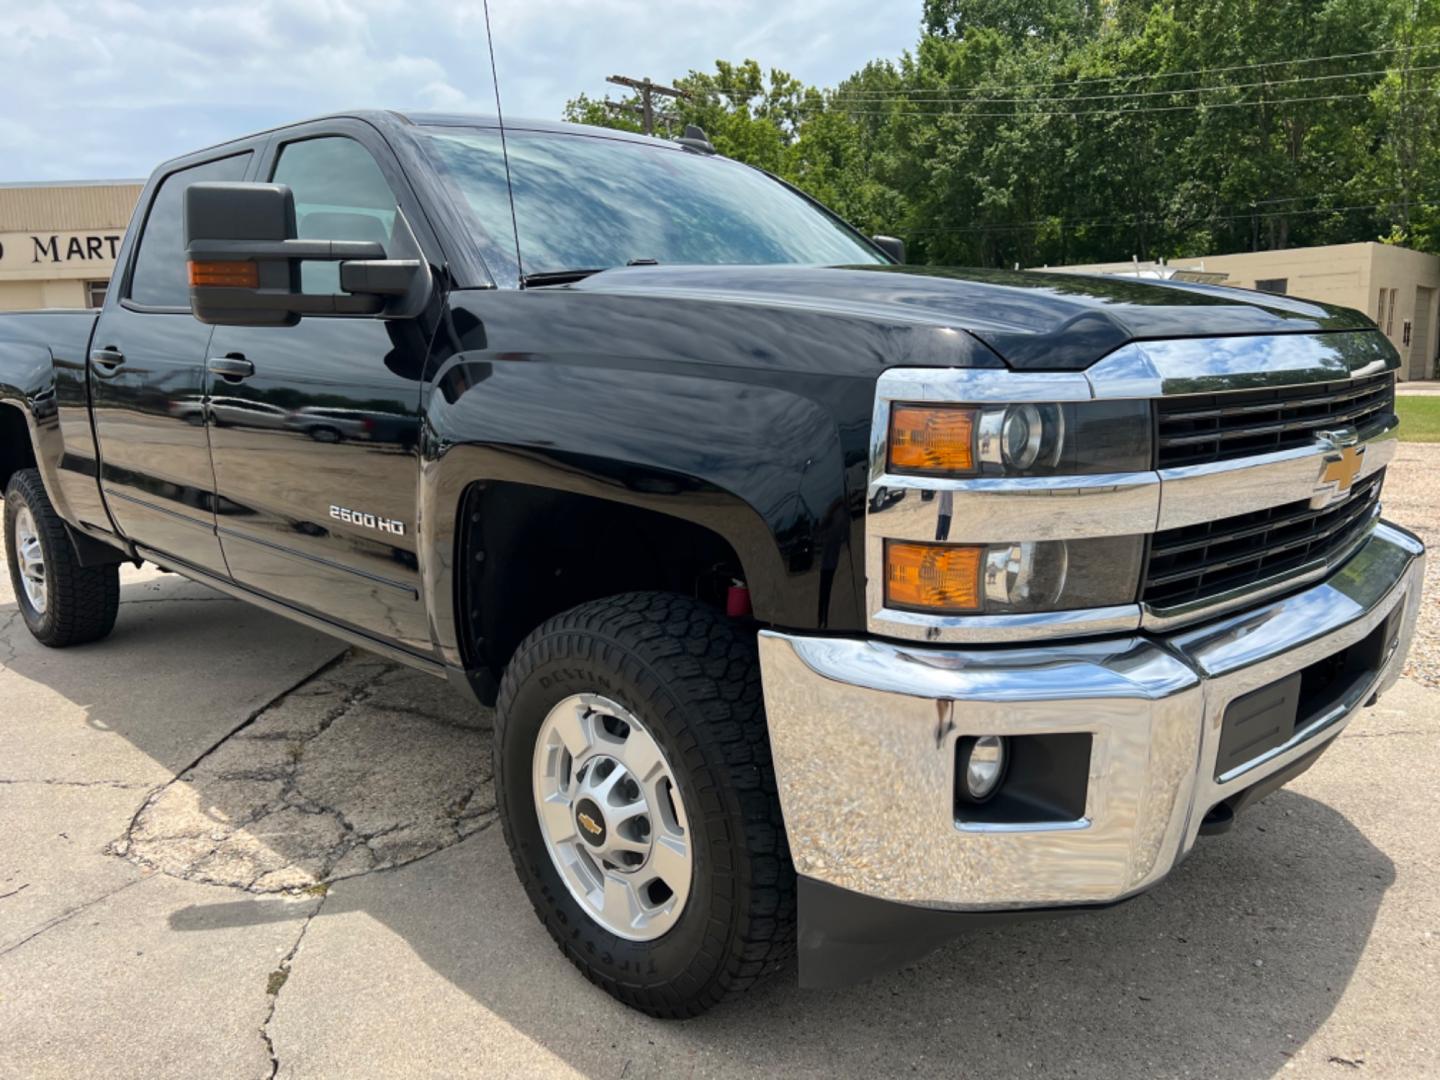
(585, 202)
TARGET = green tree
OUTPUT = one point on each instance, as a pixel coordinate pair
(1065, 131)
(1405, 167)
(1018, 20)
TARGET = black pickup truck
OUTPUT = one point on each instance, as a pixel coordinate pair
(827, 603)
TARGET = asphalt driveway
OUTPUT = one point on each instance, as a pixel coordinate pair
(229, 847)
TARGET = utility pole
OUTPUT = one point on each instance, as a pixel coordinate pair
(647, 90)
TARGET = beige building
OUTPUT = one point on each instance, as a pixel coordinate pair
(1397, 287)
(58, 242)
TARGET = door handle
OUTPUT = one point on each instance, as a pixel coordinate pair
(232, 368)
(107, 362)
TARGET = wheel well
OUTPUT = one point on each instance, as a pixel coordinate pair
(527, 553)
(16, 450)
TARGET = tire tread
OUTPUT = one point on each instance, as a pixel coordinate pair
(695, 662)
(84, 600)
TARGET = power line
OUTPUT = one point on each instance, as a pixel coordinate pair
(1324, 195)
(1017, 114)
(1178, 74)
(845, 95)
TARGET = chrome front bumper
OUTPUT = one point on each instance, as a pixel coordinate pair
(864, 734)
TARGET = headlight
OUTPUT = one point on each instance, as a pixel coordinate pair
(1014, 578)
(1019, 437)
(1025, 439)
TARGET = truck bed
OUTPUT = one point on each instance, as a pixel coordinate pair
(61, 332)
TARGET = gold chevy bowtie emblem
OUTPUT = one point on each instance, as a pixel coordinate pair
(1343, 469)
(1340, 469)
(591, 825)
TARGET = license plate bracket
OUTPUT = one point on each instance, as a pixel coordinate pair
(1258, 722)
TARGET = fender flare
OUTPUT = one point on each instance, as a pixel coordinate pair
(446, 480)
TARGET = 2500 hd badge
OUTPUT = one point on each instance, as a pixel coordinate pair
(368, 521)
(735, 519)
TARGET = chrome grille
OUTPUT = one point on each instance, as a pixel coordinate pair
(1200, 562)
(1203, 428)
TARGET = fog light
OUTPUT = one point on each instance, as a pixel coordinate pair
(982, 765)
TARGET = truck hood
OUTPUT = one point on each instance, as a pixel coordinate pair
(1031, 319)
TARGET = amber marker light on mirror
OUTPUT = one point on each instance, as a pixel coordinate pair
(224, 274)
(932, 439)
(933, 577)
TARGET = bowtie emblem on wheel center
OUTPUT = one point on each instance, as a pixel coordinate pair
(591, 821)
(1340, 468)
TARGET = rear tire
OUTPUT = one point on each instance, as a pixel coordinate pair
(690, 681)
(62, 602)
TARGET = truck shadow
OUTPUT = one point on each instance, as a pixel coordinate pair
(1226, 969)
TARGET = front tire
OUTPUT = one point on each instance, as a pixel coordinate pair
(646, 709)
(62, 602)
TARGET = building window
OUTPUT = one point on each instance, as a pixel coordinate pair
(1405, 332)
(1390, 311)
(1276, 285)
(95, 293)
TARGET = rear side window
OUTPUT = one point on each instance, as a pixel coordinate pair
(340, 194)
(160, 278)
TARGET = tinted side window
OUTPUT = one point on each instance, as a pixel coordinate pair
(340, 194)
(160, 278)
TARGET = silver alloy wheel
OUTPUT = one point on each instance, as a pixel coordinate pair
(32, 561)
(611, 816)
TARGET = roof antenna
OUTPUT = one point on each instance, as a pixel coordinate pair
(504, 149)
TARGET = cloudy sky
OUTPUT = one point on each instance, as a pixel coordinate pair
(105, 89)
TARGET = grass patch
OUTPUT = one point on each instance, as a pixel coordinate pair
(1419, 417)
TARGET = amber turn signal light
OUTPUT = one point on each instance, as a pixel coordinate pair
(224, 274)
(932, 439)
(933, 577)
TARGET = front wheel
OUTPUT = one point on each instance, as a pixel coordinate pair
(633, 770)
(62, 602)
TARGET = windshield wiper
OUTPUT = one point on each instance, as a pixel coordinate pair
(557, 277)
(567, 277)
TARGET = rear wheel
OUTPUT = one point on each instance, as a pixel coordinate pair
(62, 602)
(632, 766)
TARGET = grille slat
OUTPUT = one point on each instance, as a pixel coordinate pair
(1198, 562)
(1198, 430)
(1349, 416)
(1362, 388)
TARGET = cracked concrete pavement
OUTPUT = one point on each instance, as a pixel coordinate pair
(322, 785)
(231, 847)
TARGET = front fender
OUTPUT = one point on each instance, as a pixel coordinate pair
(761, 466)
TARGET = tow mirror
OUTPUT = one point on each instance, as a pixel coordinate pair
(892, 246)
(245, 259)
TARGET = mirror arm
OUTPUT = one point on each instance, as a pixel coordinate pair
(202, 250)
(288, 305)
